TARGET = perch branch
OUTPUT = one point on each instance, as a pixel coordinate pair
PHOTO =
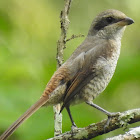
(96, 129)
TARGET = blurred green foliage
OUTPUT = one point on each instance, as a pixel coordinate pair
(29, 31)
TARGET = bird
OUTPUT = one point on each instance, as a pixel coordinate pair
(87, 72)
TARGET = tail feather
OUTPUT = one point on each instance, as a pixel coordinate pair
(24, 117)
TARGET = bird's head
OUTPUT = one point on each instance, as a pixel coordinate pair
(109, 24)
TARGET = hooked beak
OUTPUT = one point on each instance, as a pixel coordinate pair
(126, 21)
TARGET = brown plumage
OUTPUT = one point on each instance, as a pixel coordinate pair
(87, 72)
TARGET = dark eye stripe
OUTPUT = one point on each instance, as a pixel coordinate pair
(103, 23)
(100, 25)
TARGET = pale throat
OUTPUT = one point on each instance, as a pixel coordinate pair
(111, 33)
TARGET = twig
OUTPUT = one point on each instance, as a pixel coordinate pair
(74, 36)
(61, 44)
(94, 130)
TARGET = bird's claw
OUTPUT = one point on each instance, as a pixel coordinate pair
(114, 114)
(110, 116)
(73, 128)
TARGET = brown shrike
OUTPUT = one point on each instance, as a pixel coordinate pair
(87, 72)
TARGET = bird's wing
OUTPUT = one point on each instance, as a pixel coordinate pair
(81, 78)
(85, 73)
(77, 84)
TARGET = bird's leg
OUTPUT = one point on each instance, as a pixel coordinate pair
(109, 114)
(72, 121)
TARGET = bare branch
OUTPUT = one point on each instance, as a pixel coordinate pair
(133, 134)
(61, 44)
(94, 130)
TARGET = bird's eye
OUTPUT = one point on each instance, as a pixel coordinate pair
(110, 19)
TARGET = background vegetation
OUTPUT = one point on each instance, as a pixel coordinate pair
(29, 31)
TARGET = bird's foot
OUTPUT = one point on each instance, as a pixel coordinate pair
(73, 128)
(110, 116)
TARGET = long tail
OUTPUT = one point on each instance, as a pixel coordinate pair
(24, 117)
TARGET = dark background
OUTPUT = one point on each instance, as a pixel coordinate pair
(29, 31)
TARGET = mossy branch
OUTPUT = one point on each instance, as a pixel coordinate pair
(96, 129)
